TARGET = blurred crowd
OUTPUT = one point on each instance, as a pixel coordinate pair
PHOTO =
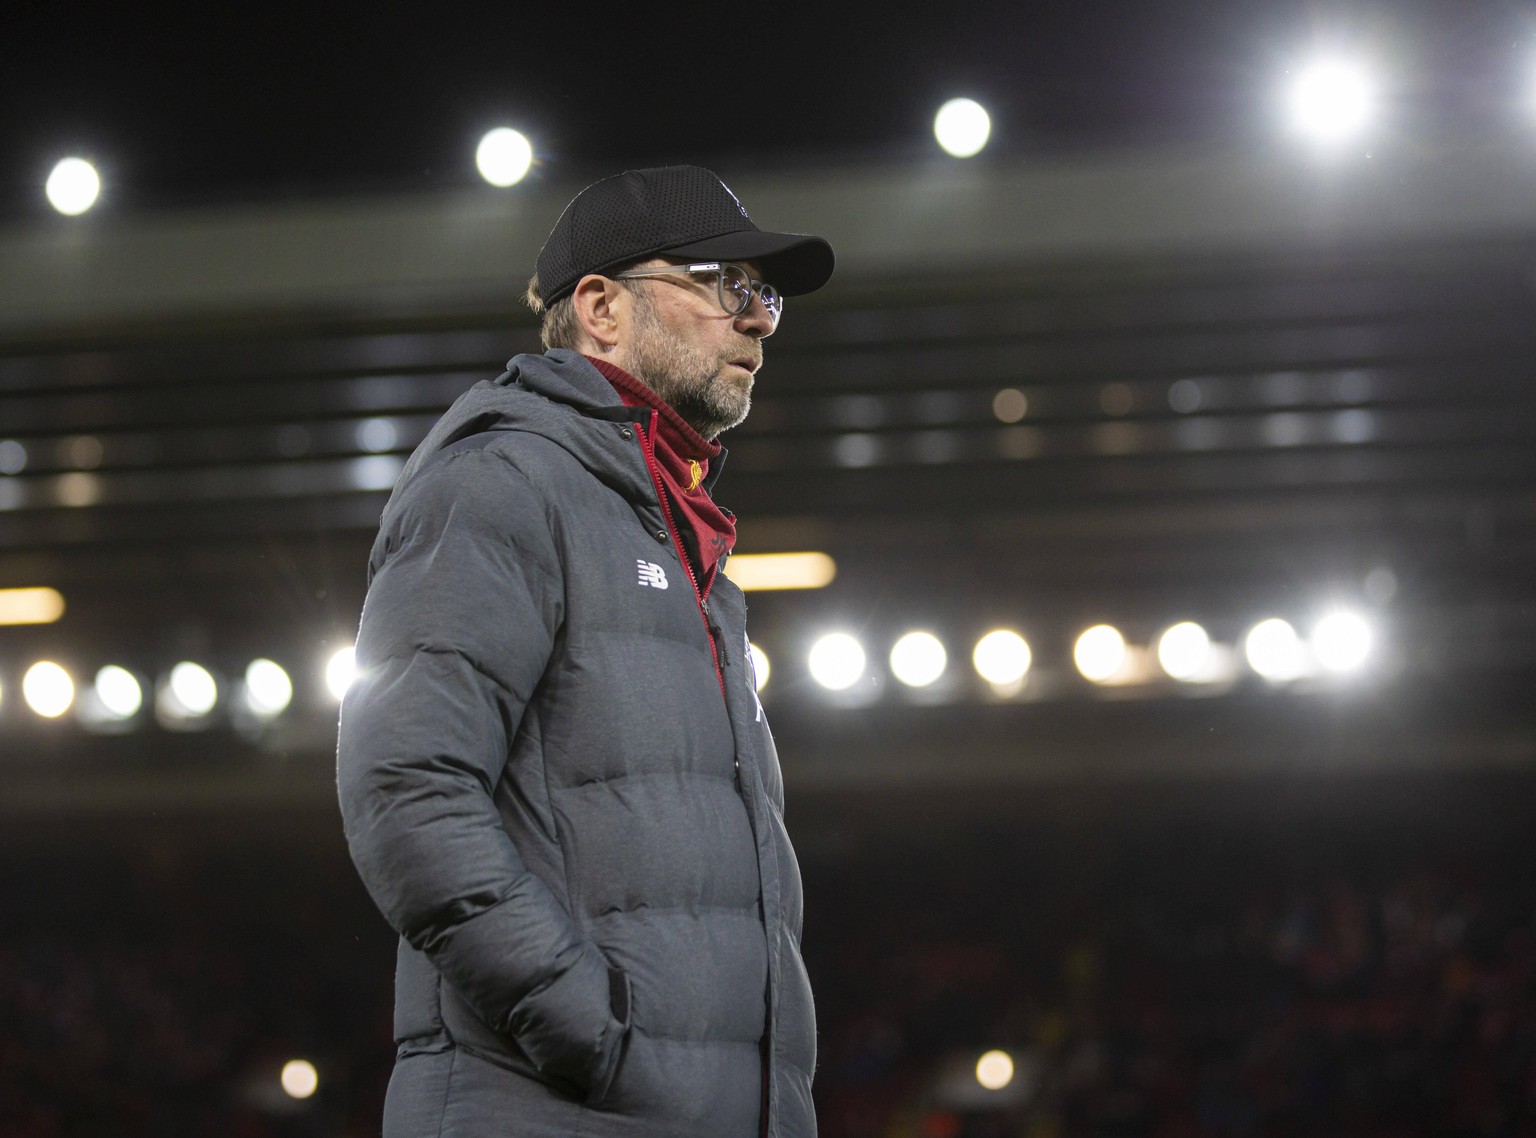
(1166, 988)
(1173, 999)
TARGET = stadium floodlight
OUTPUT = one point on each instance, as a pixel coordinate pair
(1184, 651)
(73, 186)
(761, 668)
(299, 1078)
(504, 156)
(962, 127)
(118, 692)
(994, 1070)
(837, 661)
(48, 689)
(1341, 641)
(1274, 650)
(1100, 653)
(341, 671)
(918, 659)
(187, 696)
(1002, 657)
(1330, 100)
(268, 690)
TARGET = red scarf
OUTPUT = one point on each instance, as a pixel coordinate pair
(682, 458)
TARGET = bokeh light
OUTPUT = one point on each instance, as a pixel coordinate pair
(1010, 405)
(119, 692)
(1184, 651)
(1330, 100)
(918, 659)
(994, 1070)
(268, 690)
(299, 1078)
(837, 661)
(1342, 641)
(962, 127)
(194, 692)
(340, 671)
(1001, 657)
(1099, 653)
(1274, 650)
(73, 186)
(48, 689)
(504, 156)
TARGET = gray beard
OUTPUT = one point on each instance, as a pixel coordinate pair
(701, 402)
(685, 379)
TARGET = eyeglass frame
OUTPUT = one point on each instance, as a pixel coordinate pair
(756, 287)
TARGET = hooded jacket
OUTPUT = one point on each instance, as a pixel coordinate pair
(559, 787)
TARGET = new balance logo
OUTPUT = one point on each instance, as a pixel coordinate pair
(652, 574)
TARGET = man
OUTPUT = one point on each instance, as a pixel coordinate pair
(555, 775)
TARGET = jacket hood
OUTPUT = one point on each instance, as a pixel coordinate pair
(555, 395)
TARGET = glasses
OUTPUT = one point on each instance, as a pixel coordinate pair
(733, 285)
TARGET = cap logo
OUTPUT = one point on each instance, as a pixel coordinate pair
(737, 200)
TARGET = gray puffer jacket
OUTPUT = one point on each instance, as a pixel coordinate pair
(572, 817)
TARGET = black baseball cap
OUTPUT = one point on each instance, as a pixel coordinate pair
(671, 211)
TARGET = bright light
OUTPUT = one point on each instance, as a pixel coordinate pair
(918, 659)
(299, 1078)
(837, 661)
(994, 1070)
(780, 570)
(118, 691)
(504, 156)
(1341, 641)
(268, 690)
(30, 606)
(962, 127)
(73, 187)
(194, 690)
(1099, 653)
(760, 666)
(1275, 651)
(340, 671)
(48, 689)
(1001, 657)
(1184, 651)
(1331, 100)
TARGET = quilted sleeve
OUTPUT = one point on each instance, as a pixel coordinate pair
(456, 632)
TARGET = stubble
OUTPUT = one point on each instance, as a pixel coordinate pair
(693, 382)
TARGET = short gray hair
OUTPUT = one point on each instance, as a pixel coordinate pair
(559, 327)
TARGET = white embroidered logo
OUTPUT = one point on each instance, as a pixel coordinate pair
(652, 574)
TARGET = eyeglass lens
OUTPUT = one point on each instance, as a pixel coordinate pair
(736, 293)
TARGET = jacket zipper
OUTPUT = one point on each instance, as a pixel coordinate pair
(716, 648)
(711, 630)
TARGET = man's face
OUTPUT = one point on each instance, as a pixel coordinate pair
(696, 356)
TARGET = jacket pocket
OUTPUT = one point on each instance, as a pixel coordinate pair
(619, 996)
(468, 1030)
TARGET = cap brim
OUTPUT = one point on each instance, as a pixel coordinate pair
(794, 263)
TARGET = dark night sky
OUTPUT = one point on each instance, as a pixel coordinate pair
(222, 102)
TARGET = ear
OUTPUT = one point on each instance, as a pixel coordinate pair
(598, 301)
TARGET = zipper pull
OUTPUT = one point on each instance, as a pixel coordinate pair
(718, 635)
